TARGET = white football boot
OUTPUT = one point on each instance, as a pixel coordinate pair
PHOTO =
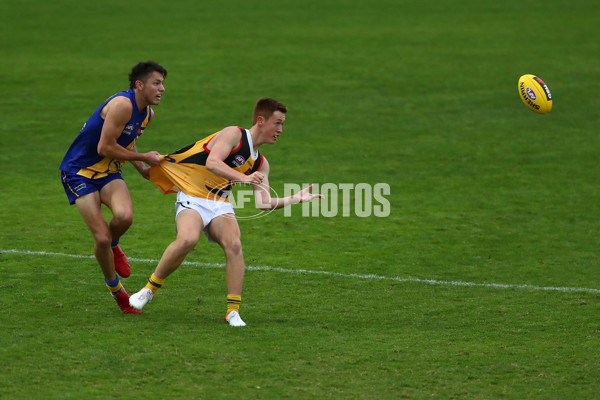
(141, 298)
(234, 319)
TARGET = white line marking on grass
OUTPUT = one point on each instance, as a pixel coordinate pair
(328, 273)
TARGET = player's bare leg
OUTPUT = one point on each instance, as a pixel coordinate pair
(90, 208)
(226, 231)
(116, 196)
(189, 226)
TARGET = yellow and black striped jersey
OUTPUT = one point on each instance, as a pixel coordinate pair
(185, 170)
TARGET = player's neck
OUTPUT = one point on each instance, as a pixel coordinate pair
(140, 102)
(255, 137)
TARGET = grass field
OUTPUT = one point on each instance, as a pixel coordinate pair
(482, 283)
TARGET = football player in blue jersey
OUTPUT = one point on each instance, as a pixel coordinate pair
(91, 169)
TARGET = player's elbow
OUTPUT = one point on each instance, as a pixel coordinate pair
(211, 165)
(101, 149)
(264, 205)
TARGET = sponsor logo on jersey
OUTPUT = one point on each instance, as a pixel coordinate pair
(128, 129)
(239, 160)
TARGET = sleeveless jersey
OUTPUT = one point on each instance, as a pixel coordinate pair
(185, 170)
(83, 159)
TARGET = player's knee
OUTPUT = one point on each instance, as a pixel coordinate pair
(233, 246)
(102, 240)
(123, 217)
(186, 244)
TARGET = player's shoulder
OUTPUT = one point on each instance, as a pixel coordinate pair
(230, 133)
(229, 136)
(232, 130)
(118, 106)
(120, 101)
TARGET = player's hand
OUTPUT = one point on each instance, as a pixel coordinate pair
(153, 158)
(305, 195)
(254, 178)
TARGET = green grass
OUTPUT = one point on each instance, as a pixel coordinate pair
(357, 339)
(421, 95)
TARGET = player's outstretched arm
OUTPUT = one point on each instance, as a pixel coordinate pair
(264, 201)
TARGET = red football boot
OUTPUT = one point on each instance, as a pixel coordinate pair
(122, 266)
(123, 301)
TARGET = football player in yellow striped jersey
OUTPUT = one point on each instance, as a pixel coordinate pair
(202, 175)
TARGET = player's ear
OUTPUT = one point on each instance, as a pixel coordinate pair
(139, 84)
(260, 120)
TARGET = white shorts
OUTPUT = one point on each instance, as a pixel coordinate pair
(208, 209)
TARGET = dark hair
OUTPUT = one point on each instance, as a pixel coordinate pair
(142, 70)
(265, 107)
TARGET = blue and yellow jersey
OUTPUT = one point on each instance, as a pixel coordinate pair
(83, 159)
(185, 170)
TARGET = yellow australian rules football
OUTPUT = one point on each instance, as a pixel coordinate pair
(535, 94)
